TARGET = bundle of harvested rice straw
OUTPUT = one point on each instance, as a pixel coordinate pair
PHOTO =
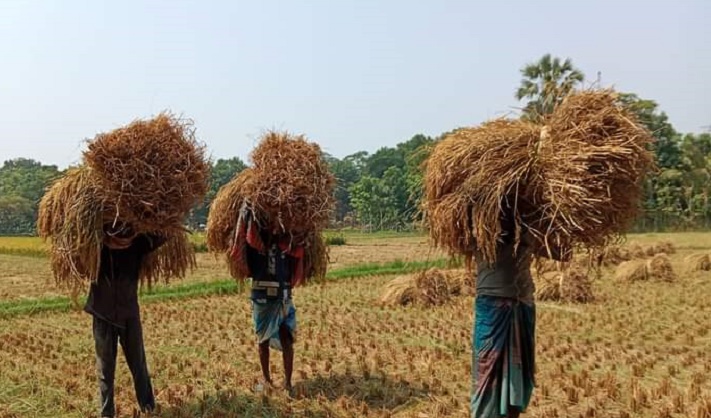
(657, 268)
(289, 189)
(146, 176)
(698, 262)
(432, 287)
(572, 285)
(575, 181)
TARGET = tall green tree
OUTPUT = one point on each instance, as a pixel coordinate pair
(22, 184)
(667, 139)
(545, 83)
(223, 170)
(347, 174)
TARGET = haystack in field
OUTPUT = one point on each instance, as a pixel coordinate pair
(576, 286)
(150, 173)
(433, 287)
(288, 189)
(571, 285)
(660, 268)
(147, 175)
(574, 182)
(632, 271)
(636, 251)
(663, 247)
(698, 262)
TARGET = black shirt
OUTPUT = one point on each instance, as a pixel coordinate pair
(114, 295)
(509, 276)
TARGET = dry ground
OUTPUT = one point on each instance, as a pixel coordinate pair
(641, 350)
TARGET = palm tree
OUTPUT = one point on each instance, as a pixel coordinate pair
(545, 83)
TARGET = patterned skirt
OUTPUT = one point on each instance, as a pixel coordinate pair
(503, 363)
(269, 317)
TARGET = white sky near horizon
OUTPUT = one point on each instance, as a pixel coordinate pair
(351, 74)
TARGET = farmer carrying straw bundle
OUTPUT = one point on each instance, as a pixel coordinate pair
(509, 191)
(268, 221)
(116, 222)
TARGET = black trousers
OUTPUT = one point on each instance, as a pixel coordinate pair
(106, 338)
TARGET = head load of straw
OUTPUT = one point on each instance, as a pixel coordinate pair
(146, 175)
(289, 190)
(575, 181)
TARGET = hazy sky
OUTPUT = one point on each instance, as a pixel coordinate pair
(351, 74)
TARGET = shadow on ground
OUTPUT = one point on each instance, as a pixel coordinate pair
(376, 392)
(326, 396)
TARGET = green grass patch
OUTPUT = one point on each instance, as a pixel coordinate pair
(214, 288)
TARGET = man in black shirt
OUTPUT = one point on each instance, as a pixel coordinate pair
(113, 302)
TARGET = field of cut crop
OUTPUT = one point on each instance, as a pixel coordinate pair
(642, 349)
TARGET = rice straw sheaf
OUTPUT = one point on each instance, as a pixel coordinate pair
(427, 288)
(571, 285)
(292, 184)
(660, 268)
(70, 217)
(632, 271)
(467, 176)
(149, 173)
(591, 161)
(576, 286)
(172, 260)
(575, 182)
(224, 212)
(698, 262)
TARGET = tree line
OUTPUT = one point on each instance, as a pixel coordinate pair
(382, 190)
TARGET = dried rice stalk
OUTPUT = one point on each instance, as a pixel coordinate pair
(663, 247)
(467, 176)
(292, 185)
(400, 291)
(289, 189)
(636, 251)
(433, 287)
(149, 173)
(571, 285)
(224, 212)
(574, 182)
(592, 165)
(659, 267)
(172, 260)
(632, 271)
(548, 287)
(576, 286)
(698, 262)
(70, 216)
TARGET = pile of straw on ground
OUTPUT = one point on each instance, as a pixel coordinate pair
(571, 285)
(147, 175)
(632, 271)
(574, 182)
(289, 189)
(698, 262)
(433, 287)
(663, 247)
(658, 268)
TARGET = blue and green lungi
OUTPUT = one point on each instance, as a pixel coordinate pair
(503, 356)
(269, 316)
